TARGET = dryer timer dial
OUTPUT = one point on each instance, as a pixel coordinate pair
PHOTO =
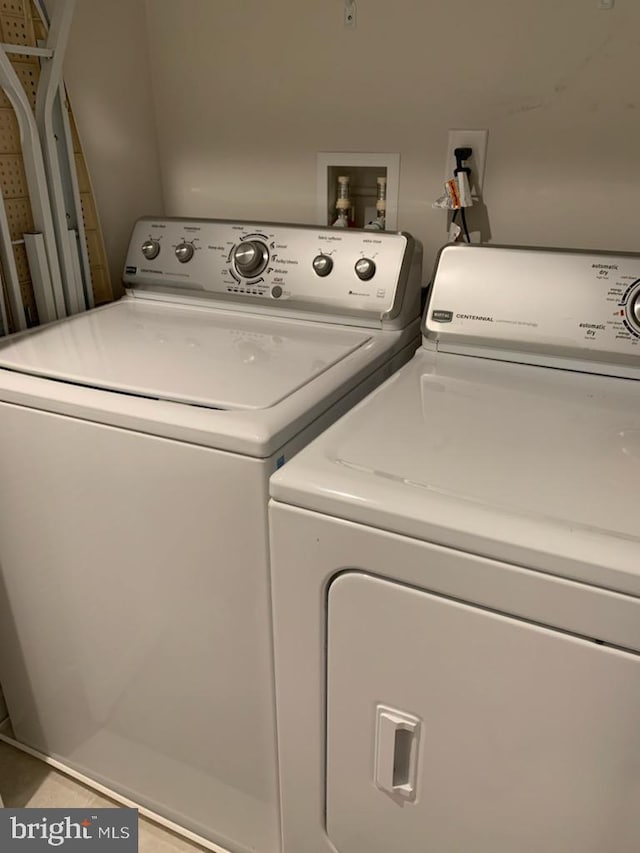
(634, 308)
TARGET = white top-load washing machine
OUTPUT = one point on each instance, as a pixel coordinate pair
(136, 443)
(456, 578)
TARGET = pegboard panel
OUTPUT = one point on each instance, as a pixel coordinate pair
(84, 184)
(28, 73)
(39, 31)
(12, 177)
(9, 133)
(17, 27)
(101, 285)
(39, 27)
(20, 24)
(17, 30)
(29, 302)
(24, 277)
(11, 326)
(15, 7)
(93, 246)
(100, 279)
(22, 263)
(88, 211)
(75, 137)
(19, 217)
(26, 288)
(102, 288)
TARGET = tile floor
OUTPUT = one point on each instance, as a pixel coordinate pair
(28, 782)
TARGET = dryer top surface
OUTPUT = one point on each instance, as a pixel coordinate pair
(513, 461)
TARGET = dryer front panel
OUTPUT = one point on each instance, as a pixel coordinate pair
(456, 728)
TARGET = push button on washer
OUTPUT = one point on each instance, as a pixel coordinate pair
(276, 291)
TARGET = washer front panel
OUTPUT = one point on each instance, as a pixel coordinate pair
(269, 264)
(137, 649)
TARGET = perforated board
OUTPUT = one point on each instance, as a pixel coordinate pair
(20, 24)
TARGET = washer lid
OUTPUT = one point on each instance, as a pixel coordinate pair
(202, 357)
(499, 459)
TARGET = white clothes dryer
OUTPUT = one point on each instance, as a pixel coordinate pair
(136, 443)
(456, 578)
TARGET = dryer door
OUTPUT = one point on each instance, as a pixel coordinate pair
(453, 729)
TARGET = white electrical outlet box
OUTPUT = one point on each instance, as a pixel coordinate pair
(477, 141)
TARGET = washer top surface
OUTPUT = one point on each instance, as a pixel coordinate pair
(203, 357)
(528, 464)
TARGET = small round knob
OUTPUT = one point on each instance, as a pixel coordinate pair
(365, 269)
(151, 249)
(276, 291)
(250, 258)
(322, 265)
(184, 252)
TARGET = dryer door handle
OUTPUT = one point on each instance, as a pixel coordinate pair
(397, 741)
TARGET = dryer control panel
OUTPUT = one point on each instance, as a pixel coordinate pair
(291, 269)
(556, 303)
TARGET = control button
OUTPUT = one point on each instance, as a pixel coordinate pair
(365, 269)
(322, 265)
(184, 252)
(250, 258)
(276, 291)
(151, 249)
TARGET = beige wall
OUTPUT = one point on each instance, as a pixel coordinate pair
(223, 112)
(248, 91)
(107, 75)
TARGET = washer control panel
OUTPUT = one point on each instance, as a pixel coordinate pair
(306, 268)
(561, 302)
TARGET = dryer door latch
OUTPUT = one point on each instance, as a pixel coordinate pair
(397, 741)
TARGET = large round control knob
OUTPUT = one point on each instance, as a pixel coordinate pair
(365, 269)
(151, 249)
(184, 252)
(322, 265)
(634, 308)
(250, 258)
